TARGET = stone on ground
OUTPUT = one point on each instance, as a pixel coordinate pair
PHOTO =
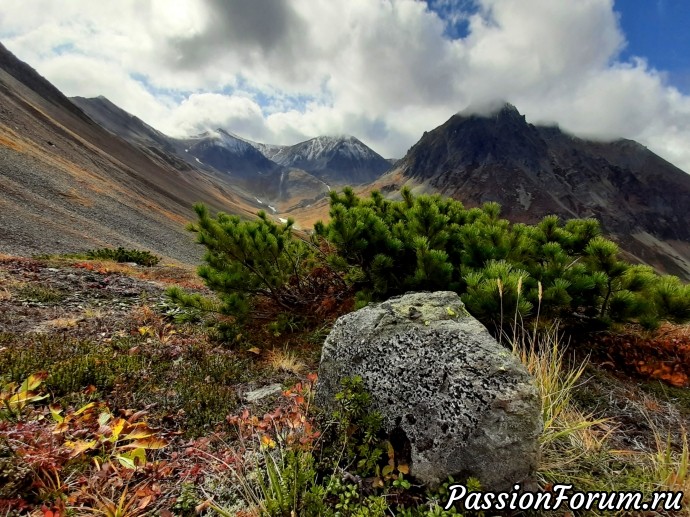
(454, 401)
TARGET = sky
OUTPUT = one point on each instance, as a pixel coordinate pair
(385, 71)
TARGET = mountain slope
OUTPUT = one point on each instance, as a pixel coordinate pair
(235, 160)
(534, 171)
(67, 184)
(340, 160)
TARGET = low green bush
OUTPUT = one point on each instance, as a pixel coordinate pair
(143, 258)
(562, 269)
(379, 248)
(252, 264)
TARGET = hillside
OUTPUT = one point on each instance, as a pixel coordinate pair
(69, 185)
(244, 164)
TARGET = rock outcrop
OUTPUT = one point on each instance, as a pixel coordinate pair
(453, 399)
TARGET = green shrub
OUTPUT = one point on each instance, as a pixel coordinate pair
(502, 270)
(143, 258)
(380, 248)
(259, 261)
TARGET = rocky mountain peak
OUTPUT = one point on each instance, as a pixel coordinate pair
(472, 140)
(533, 171)
(334, 159)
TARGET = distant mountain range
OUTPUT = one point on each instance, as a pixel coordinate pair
(283, 175)
(67, 184)
(79, 173)
(341, 160)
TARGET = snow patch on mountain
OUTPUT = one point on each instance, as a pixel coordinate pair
(230, 141)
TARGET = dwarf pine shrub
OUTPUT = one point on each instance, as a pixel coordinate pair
(380, 248)
(141, 257)
(257, 263)
(429, 242)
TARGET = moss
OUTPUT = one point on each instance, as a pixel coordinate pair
(130, 372)
(41, 294)
(15, 476)
(424, 312)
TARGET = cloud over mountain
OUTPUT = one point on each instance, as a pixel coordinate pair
(283, 71)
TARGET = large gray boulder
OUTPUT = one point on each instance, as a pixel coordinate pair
(454, 401)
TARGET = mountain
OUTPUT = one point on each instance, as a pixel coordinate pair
(67, 184)
(336, 160)
(157, 145)
(232, 158)
(227, 153)
(218, 149)
(640, 199)
(287, 177)
(118, 121)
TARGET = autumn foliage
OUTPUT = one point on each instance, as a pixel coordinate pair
(664, 355)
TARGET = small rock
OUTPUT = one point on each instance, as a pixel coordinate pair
(262, 393)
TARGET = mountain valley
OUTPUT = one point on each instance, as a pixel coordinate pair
(82, 172)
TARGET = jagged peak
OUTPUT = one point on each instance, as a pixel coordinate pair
(334, 138)
(502, 109)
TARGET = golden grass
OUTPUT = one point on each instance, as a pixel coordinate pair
(576, 446)
(95, 313)
(544, 356)
(63, 323)
(169, 274)
(285, 361)
(5, 294)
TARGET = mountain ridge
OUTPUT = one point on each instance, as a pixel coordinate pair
(288, 175)
(533, 171)
(67, 184)
(340, 159)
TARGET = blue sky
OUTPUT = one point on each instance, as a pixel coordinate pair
(283, 71)
(659, 30)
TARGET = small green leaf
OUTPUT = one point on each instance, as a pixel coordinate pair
(126, 462)
(55, 411)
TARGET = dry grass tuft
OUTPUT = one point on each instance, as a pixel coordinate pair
(95, 313)
(63, 323)
(544, 357)
(285, 361)
(670, 467)
(5, 294)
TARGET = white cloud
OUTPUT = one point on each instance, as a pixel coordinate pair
(202, 111)
(285, 70)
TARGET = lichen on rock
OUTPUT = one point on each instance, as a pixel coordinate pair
(453, 398)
